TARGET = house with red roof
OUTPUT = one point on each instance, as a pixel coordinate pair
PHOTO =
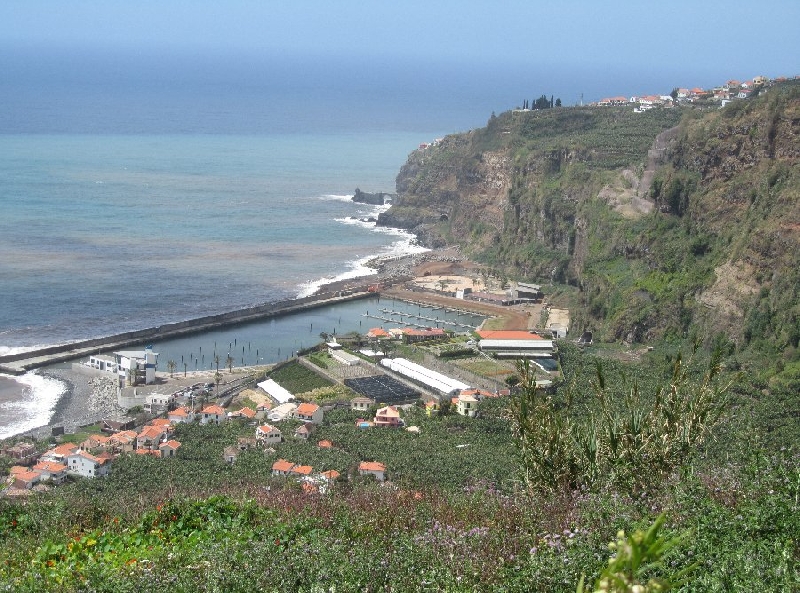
(282, 467)
(330, 476)
(245, 413)
(51, 471)
(267, 434)
(87, 465)
(182, 414)
(96, 443)
(308, 412)
(372, 468)
(26, 480)
(388, 416)
(150, 437)
(59, 453)
(212, 414)
(169, 448)
(301, 471)
(123, 441)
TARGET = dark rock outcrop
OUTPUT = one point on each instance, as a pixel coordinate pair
(377, 199)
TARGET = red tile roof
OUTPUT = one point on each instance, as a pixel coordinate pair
(371, 466)
(302, 470)
(306, 409)
(282, 465)
(50, 466)
(213, 409)
(325, 444)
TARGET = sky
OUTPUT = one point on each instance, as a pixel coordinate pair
(742, 37)
(491, 54)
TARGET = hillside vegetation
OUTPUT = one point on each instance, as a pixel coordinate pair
(663, 222)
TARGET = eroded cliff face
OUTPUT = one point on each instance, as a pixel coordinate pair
(647, 217)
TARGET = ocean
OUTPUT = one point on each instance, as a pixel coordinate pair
(135, 199)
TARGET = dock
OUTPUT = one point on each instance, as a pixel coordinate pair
(20, 363)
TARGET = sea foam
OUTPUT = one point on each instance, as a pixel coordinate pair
(38, 397)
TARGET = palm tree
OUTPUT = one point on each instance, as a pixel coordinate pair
(217, 379)
(229, 363)
(185, 366)
(171, 367)
(216, 361)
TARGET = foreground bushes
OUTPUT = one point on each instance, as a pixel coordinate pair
(742, 528)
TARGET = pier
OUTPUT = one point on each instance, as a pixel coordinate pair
(430, 320)
(18, 364)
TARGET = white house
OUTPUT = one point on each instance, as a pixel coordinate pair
(87, 465)
(372, 468)
(307, 412)
(179, 415)
(212, 414)
(54, 472)
(102, 363)
(268, 435)
(157, 402)
(169, 448)
(468, 403)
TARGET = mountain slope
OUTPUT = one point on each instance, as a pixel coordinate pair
(664, 221)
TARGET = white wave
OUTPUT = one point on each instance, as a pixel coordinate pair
(38, 397)
(9, 350)
(407, 245)
(351, 220)
(337, 197)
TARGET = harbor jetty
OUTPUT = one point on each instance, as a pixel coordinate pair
(22, 362)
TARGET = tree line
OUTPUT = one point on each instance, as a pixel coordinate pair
(541, 103)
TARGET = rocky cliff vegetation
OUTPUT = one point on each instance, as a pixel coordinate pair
(653, 224)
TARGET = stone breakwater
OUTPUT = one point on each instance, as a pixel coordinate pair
(17, 364)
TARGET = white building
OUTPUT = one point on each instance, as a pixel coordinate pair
(429, 378)
(268, 435)
(281, 412)
(87, 465)
(276, 392)
(310, 413)
(345, 358)
(103, 363)
(518, 348)
(157, 402)
(136, 366)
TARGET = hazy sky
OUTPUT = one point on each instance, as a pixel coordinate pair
(703, 38)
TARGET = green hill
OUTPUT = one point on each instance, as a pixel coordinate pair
(662, 223)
